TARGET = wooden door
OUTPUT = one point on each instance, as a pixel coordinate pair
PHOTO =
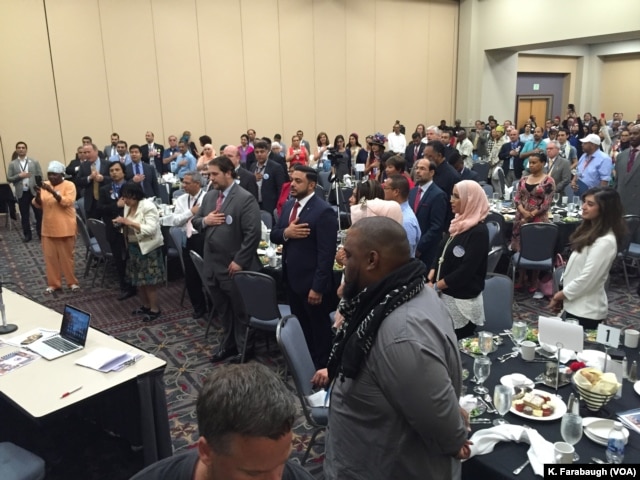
(527, 106)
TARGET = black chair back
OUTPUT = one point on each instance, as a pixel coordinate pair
(258, 292)
(266, 218)
(538, 241)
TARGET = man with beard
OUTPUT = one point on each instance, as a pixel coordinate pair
(385, 421)
(308, 229)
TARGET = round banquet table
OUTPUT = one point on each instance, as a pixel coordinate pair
(507, 456)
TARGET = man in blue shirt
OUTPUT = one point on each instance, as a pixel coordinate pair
(121, 155)
(396, 188)
(184, 162)
(594, 166)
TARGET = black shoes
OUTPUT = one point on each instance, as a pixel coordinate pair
(27, 238)
(141, 311)
(128, 293)
(198, 313)
(151, 316)
(222, 354)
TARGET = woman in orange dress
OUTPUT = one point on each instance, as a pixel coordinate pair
(57, 199)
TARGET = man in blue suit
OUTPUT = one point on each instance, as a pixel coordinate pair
(308, 230)
(429, 202)
(142, 173)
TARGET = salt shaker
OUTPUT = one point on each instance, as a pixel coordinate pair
(633, 372)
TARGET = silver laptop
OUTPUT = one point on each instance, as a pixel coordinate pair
(72, 336)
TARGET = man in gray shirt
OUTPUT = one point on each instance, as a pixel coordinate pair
(394, 365)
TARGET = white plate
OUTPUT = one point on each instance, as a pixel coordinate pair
(597, 429)
(593, 358)
(560, 408)
(507, 380)
(636, 387)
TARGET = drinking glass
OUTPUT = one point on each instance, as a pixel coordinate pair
(496, 200)
(502, 402)
(519, 333)
(485, 342)
(556, 198)
(481, 369)
(571, 430)
(571, 208)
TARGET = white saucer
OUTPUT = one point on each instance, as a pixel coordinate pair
(636, 387)
(597, 429)
(521, 380)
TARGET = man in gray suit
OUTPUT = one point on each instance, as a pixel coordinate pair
(22, 173)
(559, 168)
(627, 171)
(229, 219)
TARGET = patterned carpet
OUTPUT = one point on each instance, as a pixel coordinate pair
(180, 340)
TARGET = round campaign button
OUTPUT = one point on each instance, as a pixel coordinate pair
(228, 219)
(458, 251)
(266, 176)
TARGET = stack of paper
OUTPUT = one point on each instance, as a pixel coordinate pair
(108, 360)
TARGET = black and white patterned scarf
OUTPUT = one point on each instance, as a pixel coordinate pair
(364, 314)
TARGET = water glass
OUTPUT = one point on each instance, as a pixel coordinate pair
(502, 395)
(571, 430)
(496, 199)
(556, 198)
(519, 333)
(485, 342)
(571, 208)
(481, 369)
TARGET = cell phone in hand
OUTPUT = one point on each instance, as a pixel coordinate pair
(38, 180)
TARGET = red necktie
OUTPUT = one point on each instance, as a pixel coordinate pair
(219, 201)
(294, 212)
(416, 203)
(632, 157)
(415, 153)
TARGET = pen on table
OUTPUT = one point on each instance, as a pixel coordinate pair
(66, 394)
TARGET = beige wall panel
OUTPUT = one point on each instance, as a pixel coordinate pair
(27, 96)
(79, 69)
(221, 63)
(329, 34)
(178, 57)
(297, 68)
(441, 61)
(388, 41)
(361, 56)
(131, 70)
(619, 92)
(261, 49)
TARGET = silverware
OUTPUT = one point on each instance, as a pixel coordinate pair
(520, 468)
(507, 356)
(480, 420)
(489, 403)
(601, 462)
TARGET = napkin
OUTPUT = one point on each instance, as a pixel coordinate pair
(540, 452)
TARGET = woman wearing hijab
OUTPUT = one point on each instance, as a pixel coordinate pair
(57, 198)
(208, 153)
(460, 267)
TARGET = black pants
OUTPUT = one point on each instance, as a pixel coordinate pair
(24, 204)
(119, 251)
(191, 277)
(316, 325)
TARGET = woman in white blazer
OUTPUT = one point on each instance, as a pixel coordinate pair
(145, 267)
(595, 245)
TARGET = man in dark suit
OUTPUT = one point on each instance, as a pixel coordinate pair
(111, 149)
(308, 229)
(92, 174)
(457, 162)
(445, 175)
(414, 150)
(510, 156)
(627, 171)
(72, 169)
(251, 157)
(244, 178)
(229, 219)
(429, 202)
(269, 177)
(152, 151)
(142, 173)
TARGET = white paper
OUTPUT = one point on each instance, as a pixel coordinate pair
(552, 330)
(319, 399)
(608, 335)
(107, 360)
(44, 333)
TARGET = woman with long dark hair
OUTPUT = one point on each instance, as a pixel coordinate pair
(595, 245)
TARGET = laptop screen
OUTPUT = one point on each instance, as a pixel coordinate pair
(75, 325)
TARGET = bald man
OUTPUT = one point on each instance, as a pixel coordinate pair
(243, 177)
(372, 413)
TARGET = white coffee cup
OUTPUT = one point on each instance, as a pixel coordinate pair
(528, 350)
(563, 452)
(631, 338)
